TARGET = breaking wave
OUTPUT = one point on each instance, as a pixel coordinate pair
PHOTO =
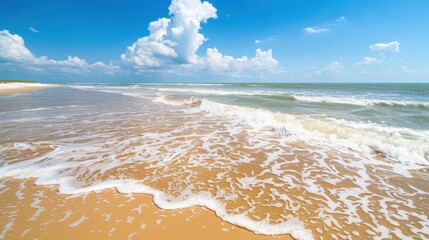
(398, 144)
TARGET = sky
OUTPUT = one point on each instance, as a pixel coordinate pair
(215, 41)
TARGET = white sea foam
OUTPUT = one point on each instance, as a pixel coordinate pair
(177, 102)
(66, 215)
(183, 84)
(52, 172)
(400, 144)
(25, 232)
(291, 225)
(222, 92)
(303, 96)
(35, 204)
(6, 228)
(48, 108)
(350, 100)
(201, 91)
(78, 222)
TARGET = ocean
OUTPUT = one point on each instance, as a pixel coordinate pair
(316, 161)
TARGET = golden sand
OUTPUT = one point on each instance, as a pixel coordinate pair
(39, 212)
(24, 88)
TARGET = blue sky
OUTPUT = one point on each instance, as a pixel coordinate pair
(191, 40)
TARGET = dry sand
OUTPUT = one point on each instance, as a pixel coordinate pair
(16, 87)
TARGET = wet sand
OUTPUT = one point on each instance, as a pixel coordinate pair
(11, 88)
(83, 142)
(39, 212)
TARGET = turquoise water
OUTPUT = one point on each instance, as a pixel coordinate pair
(398, 105)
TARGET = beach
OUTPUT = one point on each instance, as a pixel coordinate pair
(40, 212)
(19, 87)
(216, 161)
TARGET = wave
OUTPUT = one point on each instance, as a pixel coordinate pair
(217, 91)
(285, 95)
(178, 102)
(48, 108)
(398, 144)
(360, 101)
(184, 84)
(349, 100)
(201, 91)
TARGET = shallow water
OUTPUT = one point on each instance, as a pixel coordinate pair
(329, 161)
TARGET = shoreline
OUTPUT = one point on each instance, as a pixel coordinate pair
(105, 152)
(20, 87)
(117, 215)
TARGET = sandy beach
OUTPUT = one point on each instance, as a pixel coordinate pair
(31, 212)
(18, 87)
(155, 162)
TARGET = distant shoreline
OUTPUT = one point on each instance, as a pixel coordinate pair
(19, 86)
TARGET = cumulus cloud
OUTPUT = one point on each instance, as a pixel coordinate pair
(170, 48)
(332, 68)
(153, 50)
(174, 39)
(12, 47)
(313, 30)
(262, 60)
(14, 51)
(173, 43)
(369, 60)
(187, 16)
(386, 47)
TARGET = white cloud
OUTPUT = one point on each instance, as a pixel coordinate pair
(264, 40)
(33, 30)
(172, 40)
(312, 30)
(332, 68)
(262, 60)
(172, 44)
(14, 51)
(326, 27)
(153, 50)
(187, 16)
(12, 47)
(369, 60)
(170, 49)
(341, 19)
(386, 47)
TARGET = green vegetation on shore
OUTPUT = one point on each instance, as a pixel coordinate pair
(16, 81)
